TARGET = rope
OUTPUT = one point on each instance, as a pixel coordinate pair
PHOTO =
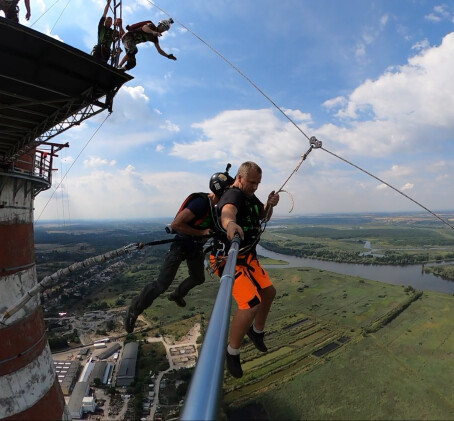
(298, 128)
(390, 186)
(69, 1)
(51, 280)
(31, 26)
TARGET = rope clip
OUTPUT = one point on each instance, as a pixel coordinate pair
(219, 250)
(314, 144)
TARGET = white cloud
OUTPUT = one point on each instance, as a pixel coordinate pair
(439, 13)
(399, 171)
(240, 135)
(129, 170)
(421, 45)
(54, 36)
(298, 116)
(123, 194)
(136, 93)
(67, 160)
(335, 102)
(407, 186)
(400, 109)
(94, 161)
(169, 126)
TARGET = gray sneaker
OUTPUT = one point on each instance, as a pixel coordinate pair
(257, 339)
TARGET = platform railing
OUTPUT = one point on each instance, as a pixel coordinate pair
(203, 397)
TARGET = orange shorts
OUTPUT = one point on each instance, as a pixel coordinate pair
(250, 279)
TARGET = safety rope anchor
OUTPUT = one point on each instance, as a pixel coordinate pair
(315, 143)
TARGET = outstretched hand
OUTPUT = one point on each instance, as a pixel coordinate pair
(171, 57)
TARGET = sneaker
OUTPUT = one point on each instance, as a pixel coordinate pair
(178, 300)
(257, 339)
(130, 318)
(234, 365)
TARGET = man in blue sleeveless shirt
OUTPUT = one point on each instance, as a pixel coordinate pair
(193, 225)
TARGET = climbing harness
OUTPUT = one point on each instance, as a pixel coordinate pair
(219, 256)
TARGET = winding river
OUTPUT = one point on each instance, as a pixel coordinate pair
(398, 275)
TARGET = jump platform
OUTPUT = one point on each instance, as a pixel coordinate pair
(46, 87)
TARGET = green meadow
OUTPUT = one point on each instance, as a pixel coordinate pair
(340, 347)
(350, 349)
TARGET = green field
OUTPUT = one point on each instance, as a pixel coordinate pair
(395, 241)
(340, 347)
(400, 371)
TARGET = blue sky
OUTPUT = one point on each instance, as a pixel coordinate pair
(371, 79)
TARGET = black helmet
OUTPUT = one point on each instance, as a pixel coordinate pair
(220, 181)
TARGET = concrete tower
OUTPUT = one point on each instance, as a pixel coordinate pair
(28, 384)
(46, 87)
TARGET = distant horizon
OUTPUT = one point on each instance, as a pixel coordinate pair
(276, 217)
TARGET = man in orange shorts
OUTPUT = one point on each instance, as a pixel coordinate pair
(242, 213)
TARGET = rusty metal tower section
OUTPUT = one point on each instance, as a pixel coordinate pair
(46, 87)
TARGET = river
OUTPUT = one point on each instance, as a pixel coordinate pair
(398, 275)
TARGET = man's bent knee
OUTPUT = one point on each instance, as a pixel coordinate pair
(268, 293)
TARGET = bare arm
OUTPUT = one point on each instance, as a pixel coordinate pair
(119, 25)
(163, 53)
(228, 221)
(27, 6)
(181, 224)
(106, 9)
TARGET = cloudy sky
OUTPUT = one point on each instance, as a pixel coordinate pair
(371, 79)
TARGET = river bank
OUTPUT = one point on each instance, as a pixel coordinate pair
(412, 275)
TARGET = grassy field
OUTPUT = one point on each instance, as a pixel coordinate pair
(401, 371)
(340, 347)
(397, 242)
(322, 363)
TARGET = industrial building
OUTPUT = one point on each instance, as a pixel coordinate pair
(75, 405)
(127, 370)
(67, 372)
(109, 351)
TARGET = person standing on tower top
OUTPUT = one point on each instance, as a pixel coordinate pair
(143, 32)
(11, 9)
(106, 35)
